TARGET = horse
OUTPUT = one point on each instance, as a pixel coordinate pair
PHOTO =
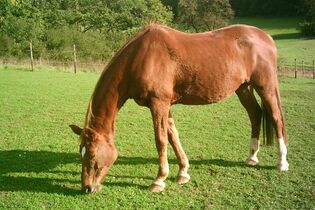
(160, 67)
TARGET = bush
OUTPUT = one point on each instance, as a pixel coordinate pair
(308, 25)
(204, 15)
(97, 27)
(246, 8)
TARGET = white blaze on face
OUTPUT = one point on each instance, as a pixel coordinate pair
(83, 150)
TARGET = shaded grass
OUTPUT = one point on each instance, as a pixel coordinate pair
(286, 33)
(40, 165)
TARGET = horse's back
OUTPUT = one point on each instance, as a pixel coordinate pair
(198, 68)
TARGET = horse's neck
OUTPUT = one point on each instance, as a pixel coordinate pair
(105, 103)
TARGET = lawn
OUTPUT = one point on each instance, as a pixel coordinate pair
(285, 31)
(40, 163)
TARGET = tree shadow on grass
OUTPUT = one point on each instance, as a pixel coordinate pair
(15, 166)
(286, 36)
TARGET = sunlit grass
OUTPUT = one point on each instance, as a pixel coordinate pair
(40, 164)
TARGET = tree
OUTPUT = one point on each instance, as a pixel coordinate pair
(97, 27)
(122, 15)
(308, 25)
(204, 15)
(173, 4)
(249, 8)
(20, 23)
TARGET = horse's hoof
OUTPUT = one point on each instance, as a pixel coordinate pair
(283, 167)
(180, 179)
(92, 189)
(157, 186)
(252, 162)
(97, 188)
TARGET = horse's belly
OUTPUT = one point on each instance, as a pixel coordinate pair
(201, 97)
(198, 93)
(194, 100)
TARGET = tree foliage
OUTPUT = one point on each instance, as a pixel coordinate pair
(204, 15)
(121, 15)
(100, 27)
(97, 27)
(308, 24)
(249, 8)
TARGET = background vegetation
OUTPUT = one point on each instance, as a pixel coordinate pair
(308, 24)
(100, 27)
(97, 27)
(39, 159)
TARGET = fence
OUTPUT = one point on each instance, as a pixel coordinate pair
(97, 66)
(295, 69)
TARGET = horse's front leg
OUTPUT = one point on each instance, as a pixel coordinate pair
(159, 111)
(183, 176)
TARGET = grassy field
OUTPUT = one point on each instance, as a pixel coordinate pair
(286, 34)
(40, 164)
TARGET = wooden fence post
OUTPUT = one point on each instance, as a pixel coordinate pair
(31, 55)
(313, 69)
(295, 69)
(74, 59)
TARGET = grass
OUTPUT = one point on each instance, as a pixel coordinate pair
(40, 165)
(285, 31)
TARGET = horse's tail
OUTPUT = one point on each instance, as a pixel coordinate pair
(268, 129)
(284, 130)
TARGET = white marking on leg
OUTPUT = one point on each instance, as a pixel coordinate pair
(185, 169)
(253, 151)
(282, 155)
(159, 183)
(83, 150)
(184, 174)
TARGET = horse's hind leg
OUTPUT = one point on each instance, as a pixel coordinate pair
(183, 176)
(248, 100)
(271, 99)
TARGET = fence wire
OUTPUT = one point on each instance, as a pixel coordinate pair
(297, 68)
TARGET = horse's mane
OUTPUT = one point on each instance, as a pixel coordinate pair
(143, 30)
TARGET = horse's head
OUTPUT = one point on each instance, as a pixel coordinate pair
(97, 155)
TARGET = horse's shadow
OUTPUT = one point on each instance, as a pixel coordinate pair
(17, 167)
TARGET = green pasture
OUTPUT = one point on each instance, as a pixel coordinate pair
(40, 162)
(285, 31)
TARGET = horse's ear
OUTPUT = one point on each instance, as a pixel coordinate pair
(76, 129)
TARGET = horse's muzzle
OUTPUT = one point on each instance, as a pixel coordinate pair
(92, 189)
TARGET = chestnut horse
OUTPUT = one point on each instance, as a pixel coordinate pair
(160, 67)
